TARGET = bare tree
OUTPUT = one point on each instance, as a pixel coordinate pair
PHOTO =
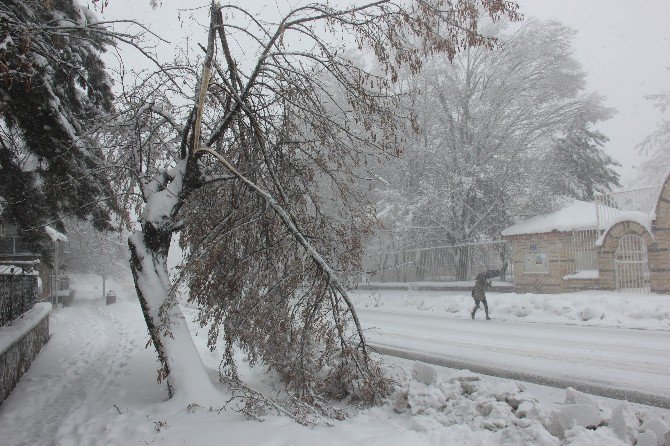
(242, 171)
(90, 250)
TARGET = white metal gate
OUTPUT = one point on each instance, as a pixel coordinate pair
(631, 264)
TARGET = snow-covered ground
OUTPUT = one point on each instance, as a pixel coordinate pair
(601, 342)
(585, 308)
(94, 383)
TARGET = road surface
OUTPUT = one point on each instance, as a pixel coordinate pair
(612, 362)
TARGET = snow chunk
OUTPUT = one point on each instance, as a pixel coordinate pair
(423, 398)
(573, 396)
(580, 436)
(424, 373)
(624, 422)
(570, 415)
(657, 426)
(55, 235)
(647, 438)
(531, 434)
(463, 376)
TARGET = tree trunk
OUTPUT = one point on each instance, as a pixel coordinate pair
(103, 287)
(181, 365)
(187, 379)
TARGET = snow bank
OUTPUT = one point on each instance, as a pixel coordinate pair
(514, 416)
(12, 333)
(595, 307)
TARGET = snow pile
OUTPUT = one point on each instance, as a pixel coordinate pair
(595, 307)
(511, 415)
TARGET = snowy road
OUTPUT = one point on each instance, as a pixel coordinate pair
(614, 362)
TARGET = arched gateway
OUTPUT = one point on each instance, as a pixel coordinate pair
(631, 264)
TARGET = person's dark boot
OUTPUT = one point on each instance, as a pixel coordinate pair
(488, 318)
(472, 315)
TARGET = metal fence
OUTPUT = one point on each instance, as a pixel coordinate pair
(437, 264)
(632, 264)
(582, 248)
(18, 290)
(610, 205)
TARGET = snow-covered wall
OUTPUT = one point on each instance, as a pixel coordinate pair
(20, 343)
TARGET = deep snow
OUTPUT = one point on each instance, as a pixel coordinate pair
(94, 383)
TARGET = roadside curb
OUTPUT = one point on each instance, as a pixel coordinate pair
(561, 383)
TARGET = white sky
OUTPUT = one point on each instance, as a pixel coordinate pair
(623, 45)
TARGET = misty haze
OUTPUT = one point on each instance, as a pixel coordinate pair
(422, 222)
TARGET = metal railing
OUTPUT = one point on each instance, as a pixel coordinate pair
(583, 250)
(18, 289)
(632, 264)
(610, 205)
(437, 264)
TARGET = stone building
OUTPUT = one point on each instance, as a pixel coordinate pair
(619, 242)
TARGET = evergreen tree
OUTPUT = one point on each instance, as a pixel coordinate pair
(578, 166)
(656, 147)
(53, 84)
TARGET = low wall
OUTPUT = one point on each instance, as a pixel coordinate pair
(497, 287)
(19, 345)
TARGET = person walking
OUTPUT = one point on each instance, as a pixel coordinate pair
(482, 282)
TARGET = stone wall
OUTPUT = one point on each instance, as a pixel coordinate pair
(659, 253)
(20, 344)
(553, 244)
(606, 253)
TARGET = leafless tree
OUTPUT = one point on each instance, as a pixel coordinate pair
(256, 171)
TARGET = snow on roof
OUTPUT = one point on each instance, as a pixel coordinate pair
(642, 218)
(575, 215)
(55, 235)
